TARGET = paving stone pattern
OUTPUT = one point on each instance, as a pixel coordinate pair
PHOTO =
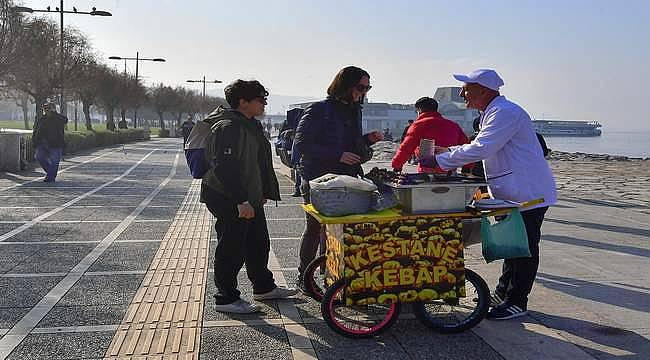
(149, 293)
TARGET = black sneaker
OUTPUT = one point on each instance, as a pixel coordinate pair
(495, 299)
(296, 194)
(506, 311)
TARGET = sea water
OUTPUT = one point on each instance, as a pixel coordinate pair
(632, 144)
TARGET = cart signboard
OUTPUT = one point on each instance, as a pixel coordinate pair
(405, 260)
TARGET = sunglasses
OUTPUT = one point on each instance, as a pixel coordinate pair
(261, 99)
(363, 88)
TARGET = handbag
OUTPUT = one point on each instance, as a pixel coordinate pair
(504, 238)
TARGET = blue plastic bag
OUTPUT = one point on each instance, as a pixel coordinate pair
(505, 238)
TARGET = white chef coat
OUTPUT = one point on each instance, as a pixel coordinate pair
(513, 160)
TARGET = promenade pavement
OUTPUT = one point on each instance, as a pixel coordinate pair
(113, 261)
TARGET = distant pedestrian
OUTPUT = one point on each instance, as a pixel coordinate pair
(411, 159)
(48, 140)
(186, 128)
(515, 170)
(406, 129)
(235, 190)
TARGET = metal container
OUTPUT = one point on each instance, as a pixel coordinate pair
(435, 197)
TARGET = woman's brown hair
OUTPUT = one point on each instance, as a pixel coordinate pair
(344, 81)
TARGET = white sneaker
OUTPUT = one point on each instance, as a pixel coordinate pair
(277, 293)
(238, 307)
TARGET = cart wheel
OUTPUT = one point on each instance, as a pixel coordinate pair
(458, 314)
(314, 278)
(356, 321)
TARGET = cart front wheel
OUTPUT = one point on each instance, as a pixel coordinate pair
(314, 278)
(356, 321)
(458, 314)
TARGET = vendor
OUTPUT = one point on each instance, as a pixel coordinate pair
(428, 125)
(515, 169)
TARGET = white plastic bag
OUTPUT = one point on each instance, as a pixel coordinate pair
(333, 181)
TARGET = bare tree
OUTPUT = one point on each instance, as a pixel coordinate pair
(136, 96)
(179, 104)
(212, 102)
(110, 84)
(162, 99)
(86, 86)
(11, 28)
(37, 70)
(193, 103)
(22, 99)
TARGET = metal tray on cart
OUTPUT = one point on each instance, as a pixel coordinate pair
(437, 194)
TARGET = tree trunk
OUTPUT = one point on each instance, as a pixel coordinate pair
(85, 105)
(24, 105)
(135, 118)
(122, 124)
(162, 121)
(110, 119)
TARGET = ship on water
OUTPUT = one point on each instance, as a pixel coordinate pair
(567, 128)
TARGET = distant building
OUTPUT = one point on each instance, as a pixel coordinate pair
(395, 117)
(380, 116)
(453, 107)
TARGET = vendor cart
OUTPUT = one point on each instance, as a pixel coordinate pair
(376, 261)
(409, 254)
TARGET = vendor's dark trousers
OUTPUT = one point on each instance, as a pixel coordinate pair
(241, 241)
(518, 275)
(312, 236)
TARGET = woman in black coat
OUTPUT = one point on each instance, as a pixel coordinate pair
(330, 139)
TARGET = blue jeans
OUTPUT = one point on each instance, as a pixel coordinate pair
(49, 159)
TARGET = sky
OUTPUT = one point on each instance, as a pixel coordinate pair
(570, 60)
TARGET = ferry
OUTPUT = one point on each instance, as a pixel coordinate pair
(567, 128)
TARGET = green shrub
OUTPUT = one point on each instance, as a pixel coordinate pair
(81, 140)
(163, 133)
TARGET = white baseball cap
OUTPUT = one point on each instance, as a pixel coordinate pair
(486, 77)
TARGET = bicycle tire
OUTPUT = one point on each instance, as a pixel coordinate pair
(332, 300)
(314, 278)
(477, 300)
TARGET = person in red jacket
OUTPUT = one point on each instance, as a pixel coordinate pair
(428, 125)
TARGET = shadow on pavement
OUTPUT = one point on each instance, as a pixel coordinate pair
(631, 250)
(605, 203)
(600, 341)
(596, 226)
(606, 294)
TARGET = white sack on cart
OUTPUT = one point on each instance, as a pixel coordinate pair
(333, 181)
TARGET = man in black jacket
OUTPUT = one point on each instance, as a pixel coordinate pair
(235, 190)
(48, 140)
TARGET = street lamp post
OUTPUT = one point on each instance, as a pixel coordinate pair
(137, 59)
(60, 10)
(204, 81)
